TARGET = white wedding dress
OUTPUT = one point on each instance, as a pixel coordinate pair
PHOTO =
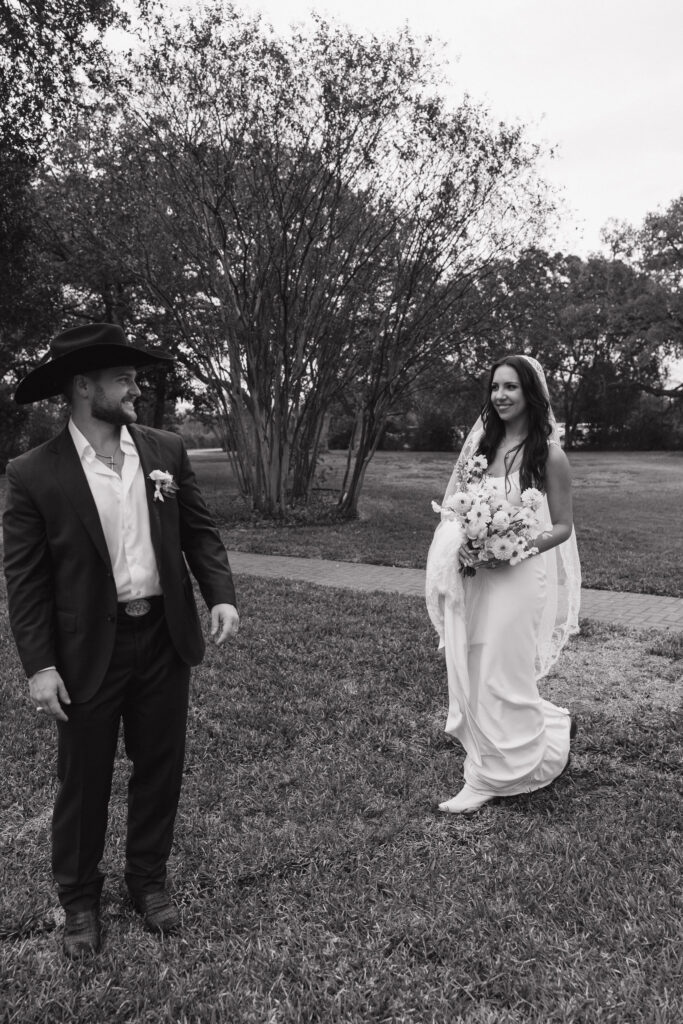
(490, 625)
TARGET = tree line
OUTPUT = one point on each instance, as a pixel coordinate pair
(311, 228)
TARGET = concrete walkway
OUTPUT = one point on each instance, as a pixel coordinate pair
(643, 611)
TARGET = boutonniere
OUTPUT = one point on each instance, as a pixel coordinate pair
(164, 484)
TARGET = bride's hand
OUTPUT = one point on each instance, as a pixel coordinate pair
(470, 559)
(467, 558)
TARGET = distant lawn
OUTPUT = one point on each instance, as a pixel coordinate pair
(316, 879)
(627, 514)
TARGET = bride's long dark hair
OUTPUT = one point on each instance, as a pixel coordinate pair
(535, 445)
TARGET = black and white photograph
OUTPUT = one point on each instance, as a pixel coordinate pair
(341, 477)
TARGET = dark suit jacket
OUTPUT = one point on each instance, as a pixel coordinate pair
(60, 586)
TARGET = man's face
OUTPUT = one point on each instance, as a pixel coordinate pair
(114, 395)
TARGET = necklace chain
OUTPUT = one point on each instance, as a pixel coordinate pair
(110, 459)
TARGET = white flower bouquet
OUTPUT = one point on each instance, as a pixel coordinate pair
(492, 527)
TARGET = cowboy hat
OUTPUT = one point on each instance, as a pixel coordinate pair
(80, 350)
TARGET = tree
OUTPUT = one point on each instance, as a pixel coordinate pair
(615, 329)
(661, 244)
(48, 53)
(27, 299)
(656, 248)
(308, 214)
(600, 327)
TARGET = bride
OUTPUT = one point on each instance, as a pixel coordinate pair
(503, 627)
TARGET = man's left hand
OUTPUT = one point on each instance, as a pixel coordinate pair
(224, 622)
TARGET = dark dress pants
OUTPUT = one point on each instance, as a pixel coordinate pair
(146, 687)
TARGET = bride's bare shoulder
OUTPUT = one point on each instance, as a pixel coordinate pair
(557, 460)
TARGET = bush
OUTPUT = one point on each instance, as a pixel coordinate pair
(655, 425)
(435, 432)
(340, 433)
(24, 426)
(198, 434)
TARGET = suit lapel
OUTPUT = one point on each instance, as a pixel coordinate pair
(73, 482)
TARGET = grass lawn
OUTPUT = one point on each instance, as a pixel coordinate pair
(627, 510)
(316, 879)
(627, 513)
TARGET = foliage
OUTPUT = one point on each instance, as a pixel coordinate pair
(434, 430)
(49, 54)
(615, 330)
(654, 422)
(660, 241)
(601, 328)
(656, 247)
(316, 880)
(47, 51)
(448, 400)
(303, 213)
(83, 282)
(28, 297)
(22, 428)
(12, 420)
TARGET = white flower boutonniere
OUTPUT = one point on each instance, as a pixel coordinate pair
(164, 484)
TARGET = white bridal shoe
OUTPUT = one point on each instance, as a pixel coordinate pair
(465, 802)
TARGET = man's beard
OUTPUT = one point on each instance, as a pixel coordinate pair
(109, 413)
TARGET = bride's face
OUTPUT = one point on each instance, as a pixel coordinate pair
(507, 396)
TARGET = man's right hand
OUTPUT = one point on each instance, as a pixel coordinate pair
(48, 693)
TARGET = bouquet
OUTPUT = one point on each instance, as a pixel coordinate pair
(492, 526)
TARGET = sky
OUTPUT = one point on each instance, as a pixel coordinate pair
(599, 81)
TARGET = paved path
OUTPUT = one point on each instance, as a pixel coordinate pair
(638, 610)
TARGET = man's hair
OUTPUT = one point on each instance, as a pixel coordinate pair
(68, 385)
(68, 389)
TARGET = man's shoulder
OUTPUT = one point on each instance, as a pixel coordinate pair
(165, 438)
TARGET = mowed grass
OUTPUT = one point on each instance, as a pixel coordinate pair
(627, 508)
(317, 881)
(627, 512)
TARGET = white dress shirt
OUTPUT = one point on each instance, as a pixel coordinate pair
(122, 505)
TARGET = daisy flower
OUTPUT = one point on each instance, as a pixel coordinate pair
(476, 466)
(532, 498)
(519, 551)
(460, 502)
(501, 519)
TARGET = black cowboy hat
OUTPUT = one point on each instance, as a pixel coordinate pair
(80, 350)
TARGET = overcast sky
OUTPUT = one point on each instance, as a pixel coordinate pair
(599, 80)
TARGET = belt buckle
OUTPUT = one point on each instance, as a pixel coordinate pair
(137, 608)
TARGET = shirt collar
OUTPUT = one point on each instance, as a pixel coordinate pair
(87, 452)
(126, 442)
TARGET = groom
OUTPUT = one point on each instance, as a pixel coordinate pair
(100, 528)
